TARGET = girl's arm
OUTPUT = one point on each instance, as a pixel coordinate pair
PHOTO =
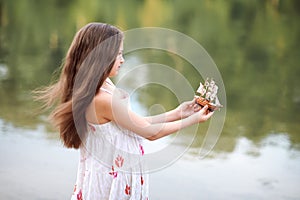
(182, 111)
(119, 112)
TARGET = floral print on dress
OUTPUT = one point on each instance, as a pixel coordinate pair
(119, 161)
(74, 188)
(142, 180)
(79, 195)
(127, 190)
(142, 149)
(113, 172)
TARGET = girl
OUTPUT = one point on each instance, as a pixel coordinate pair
(93, 116)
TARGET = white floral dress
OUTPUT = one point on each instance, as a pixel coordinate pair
(111, 165)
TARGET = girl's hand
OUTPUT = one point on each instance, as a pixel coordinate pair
(187, 108)
(201, 116)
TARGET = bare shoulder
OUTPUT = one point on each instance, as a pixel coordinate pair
(99, 111)
(102, 107)
(102, 101)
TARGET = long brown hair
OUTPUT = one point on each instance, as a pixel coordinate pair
(88, 63)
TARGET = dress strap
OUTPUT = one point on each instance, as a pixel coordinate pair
(105, 90)
(108, 81)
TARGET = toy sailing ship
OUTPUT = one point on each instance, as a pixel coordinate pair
(208, 95)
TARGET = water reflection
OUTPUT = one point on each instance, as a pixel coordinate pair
(238, 175)
(32, 164)
(268, 170)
